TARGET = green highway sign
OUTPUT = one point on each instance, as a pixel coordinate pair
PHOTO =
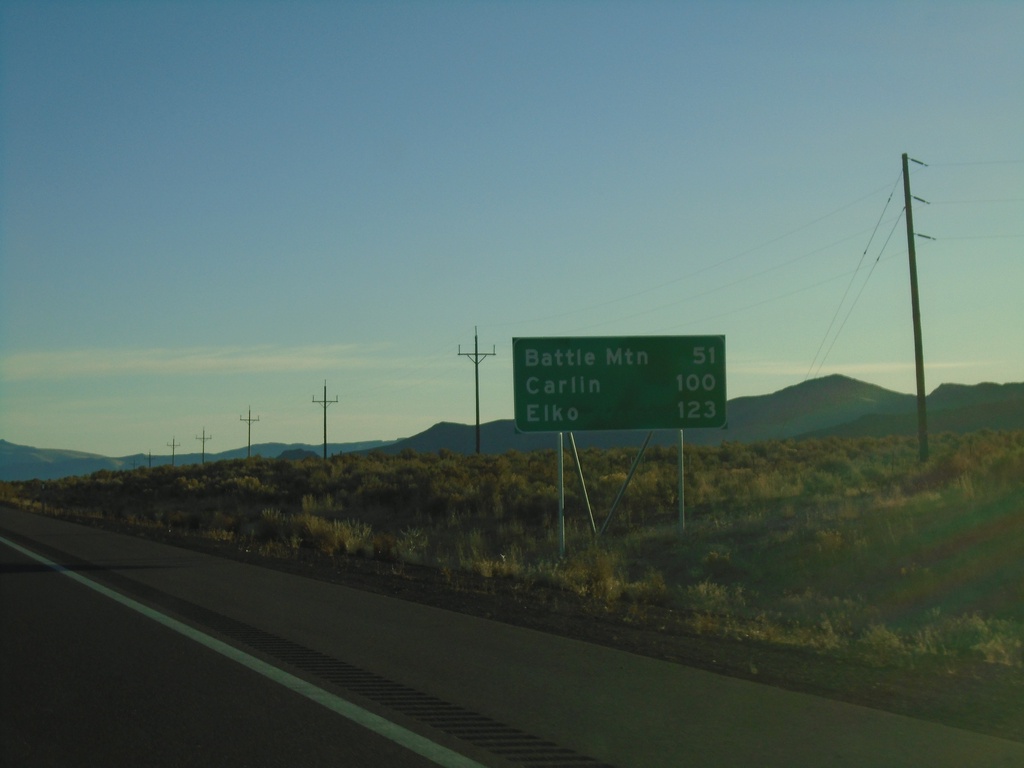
(618, 382)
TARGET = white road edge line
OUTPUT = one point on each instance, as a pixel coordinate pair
(375, 723)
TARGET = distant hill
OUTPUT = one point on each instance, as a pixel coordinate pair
(951, 408)
(22, 462)
(298, 454)
(501, 437)
(293, 450)
(813, 406)
(830, 406)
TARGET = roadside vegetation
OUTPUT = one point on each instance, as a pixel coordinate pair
(843, 546)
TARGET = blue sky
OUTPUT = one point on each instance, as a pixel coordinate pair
(212, 206)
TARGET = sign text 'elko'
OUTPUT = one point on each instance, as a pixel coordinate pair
(618, 382)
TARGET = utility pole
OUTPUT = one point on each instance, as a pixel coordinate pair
(249, 421)
(476, 357)
(204, 438)
(325, 402)
(922, 408)
(172, 445)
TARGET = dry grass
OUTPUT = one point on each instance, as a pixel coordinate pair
(839, 546)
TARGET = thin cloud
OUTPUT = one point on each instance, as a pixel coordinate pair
(61, 364)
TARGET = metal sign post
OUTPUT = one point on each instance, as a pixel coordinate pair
(561, 498)
(682, 506)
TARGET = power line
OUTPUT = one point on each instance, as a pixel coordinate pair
(760, 303)
(983, 201)
(850, 285)
(406, 379)
(856, 299)
(409, 376)
(696, 272)
(716, 289)
(978, 237)
(976, 162)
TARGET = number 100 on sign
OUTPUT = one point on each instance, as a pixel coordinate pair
(698, 398)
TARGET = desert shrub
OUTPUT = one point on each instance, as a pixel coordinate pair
(412, 545)
(357, 537)
(318, 533)
(821, 484)
(185, 486)
(593, 572)
(324, 504)
(271, 525)
(881, 646)
(650, 590)
(8, 492)
(385, 547)
(472, 549)
(994, 641)
(247, 487)
(829, 541)
(709, 597)
(533, 502)
(718, 564)
(940, 473)
(188, 520)
(1002, 643)
(224, 522)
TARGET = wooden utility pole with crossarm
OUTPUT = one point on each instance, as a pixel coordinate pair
(915, 302)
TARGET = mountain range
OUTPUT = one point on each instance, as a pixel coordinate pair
(829, 406)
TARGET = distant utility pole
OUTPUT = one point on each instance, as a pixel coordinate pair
(922, 408)
(172, 445)
(204, 438)
(250, 420)
(476, 357)
(325, 402)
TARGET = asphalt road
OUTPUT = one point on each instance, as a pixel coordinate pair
(186, 659)
(86, 681)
